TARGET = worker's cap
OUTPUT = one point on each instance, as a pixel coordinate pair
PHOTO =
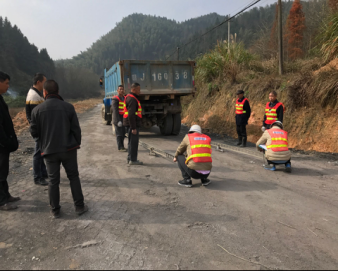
(239, 92)
(195, 129)
(278, 123)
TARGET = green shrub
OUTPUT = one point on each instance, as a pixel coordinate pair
(19, 101)
(329, 38)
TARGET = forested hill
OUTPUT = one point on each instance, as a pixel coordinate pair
(21, 59)
(148, 37)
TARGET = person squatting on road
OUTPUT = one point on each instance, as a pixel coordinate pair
(243, 113)
(198, 162)
(132, 119)
(8, 143)
(34, 98)
(55, 124)
(276, 141)
(274, 111)
(118, 112)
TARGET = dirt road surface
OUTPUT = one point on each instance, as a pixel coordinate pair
(141, 219)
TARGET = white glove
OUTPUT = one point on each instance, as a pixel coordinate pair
(119, 124)
(263, 129)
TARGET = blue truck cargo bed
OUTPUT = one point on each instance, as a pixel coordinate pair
(155, 77)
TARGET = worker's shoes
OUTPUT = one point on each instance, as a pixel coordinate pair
(41, 182)
(8, 207)
(288, 168)
(273, 168)
(81, 210)
(243, 145)
(135, 163)
(205, 182)
(123, 150)
(186, 183)
(239, 141)
(56, 214)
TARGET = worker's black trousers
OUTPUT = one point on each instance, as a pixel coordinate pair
(69, 162)
(4, 170)
(133, 141)
(188, 173)
(241, 131)
(120, 135)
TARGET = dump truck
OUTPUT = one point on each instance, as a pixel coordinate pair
(163, 83)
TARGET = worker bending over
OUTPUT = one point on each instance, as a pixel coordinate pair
(277, 151)
(243, 112)
(274, 111)
(118, 112)
(198, 163)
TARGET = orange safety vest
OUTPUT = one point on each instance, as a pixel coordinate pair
(239, 107)
(200, 148)
(121, 105)
(125, 110)
(271, 113)
(279, 140)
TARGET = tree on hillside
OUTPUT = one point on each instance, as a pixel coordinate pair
(333, 4)
(295, 30)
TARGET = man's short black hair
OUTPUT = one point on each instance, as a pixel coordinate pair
(274, 93)
(38, 77)
(120, 86)
(4, 76)
(135, 85)
(51, 87)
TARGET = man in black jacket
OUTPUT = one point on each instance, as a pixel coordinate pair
(133, 120)
(118, 112)
(8, 144)
(243, 113)
(55, 124)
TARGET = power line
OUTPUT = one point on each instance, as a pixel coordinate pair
(212, 29)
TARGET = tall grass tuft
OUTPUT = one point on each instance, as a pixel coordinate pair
(329, 38)
(224, 62)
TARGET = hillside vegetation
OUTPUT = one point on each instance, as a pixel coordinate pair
(309, 90)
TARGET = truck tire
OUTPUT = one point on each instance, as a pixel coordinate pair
(167, 127)
(177, 124)
(103, 115)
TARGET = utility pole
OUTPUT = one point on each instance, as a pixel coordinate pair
(280, 38)
(178, 53)
(229, 33)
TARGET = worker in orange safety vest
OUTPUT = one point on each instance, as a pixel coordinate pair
(274, 142)
(243, 112)
(118, 112)
(274, 111)
(197, 164)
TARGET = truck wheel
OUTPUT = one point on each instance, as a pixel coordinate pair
(167, 127)
(103, 115)
(177, 124)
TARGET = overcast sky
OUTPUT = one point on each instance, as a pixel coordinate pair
(66, 27)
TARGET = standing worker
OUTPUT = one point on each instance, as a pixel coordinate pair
(57, 127)
(8, 144)
(34, 98)
(274, 111)
(118, 112)
(132, 119)
(243, 113)
(101, 83)
(198, 163)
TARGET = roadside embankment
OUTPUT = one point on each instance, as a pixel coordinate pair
(20, 121)
(309, 92)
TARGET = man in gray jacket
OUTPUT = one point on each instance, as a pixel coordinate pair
(118, 112)
(55, 124)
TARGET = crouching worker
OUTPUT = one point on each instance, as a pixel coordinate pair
(198, 163)
(277, 151)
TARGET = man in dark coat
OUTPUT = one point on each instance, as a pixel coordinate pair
(243, 113)
(133, 120)
(118, 112)
(8, 144)
(55, 124)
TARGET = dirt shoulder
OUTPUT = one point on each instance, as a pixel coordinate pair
(20, 121)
